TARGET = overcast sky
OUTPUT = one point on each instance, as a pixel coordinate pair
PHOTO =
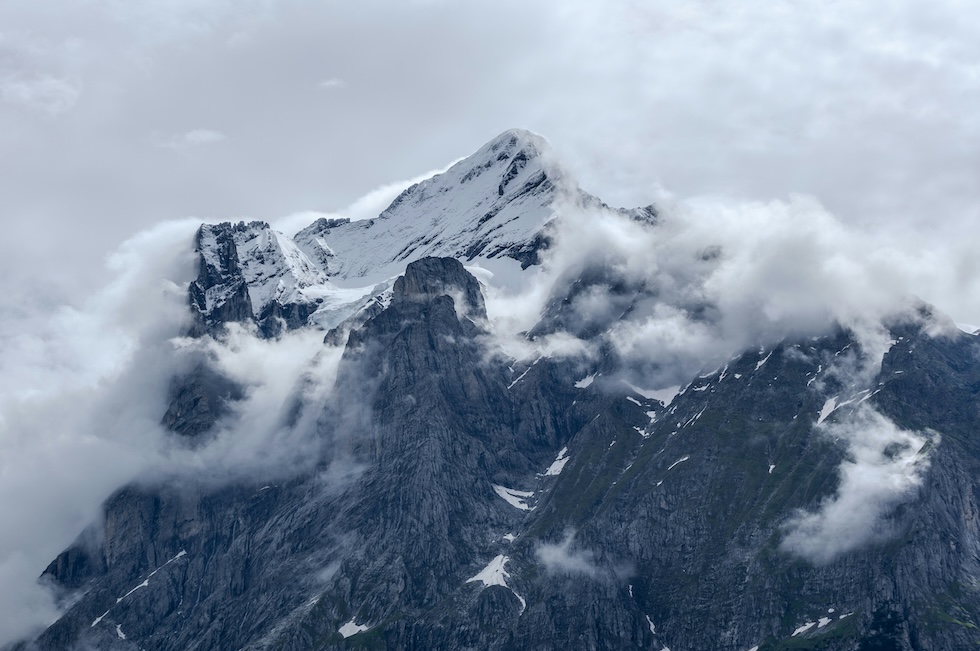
(115, 115)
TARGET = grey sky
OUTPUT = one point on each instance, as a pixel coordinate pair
(115, 115)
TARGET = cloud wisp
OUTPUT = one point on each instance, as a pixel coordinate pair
(884, 466)
(711, 279)
(192, 138)
(560, 558)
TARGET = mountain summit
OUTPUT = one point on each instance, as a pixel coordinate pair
(491, 204)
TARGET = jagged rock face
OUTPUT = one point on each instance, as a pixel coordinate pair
(198, 399)
(430, 278)
(662, 526)
(463, 500)
(220, 294)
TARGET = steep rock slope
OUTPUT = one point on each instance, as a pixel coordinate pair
(498, 506)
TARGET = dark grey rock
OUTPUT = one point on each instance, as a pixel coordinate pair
(662, 532)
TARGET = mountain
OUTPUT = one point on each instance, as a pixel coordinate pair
(491, 209)
(460, 498)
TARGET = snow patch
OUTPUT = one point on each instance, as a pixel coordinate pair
(558, 464)
(681, 460)
(763, 361)
(653, 629)
(828, 408)
(771, 468)
(98, 619)
(968, 328)
(695, 418)
(179, 555)
(350, 628)
(823, 621)
(119, 632)
(815, 375)
(146, 582)
(665, 396)
(803, 629)
(514, 497)
(509, 537)
(495, 574)
(520, 377)
(585, 382)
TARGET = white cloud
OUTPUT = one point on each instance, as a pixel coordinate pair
(81, 398)
(714, 278)
(51, 95)
(193, 138)
(885, 465)
(331, 83)
(260, 438)
(560, 558)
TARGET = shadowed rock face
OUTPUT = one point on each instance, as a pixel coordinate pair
(430, 278)
(664, 527)
(198, 399)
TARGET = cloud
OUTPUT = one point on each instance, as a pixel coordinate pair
(708, 280)
(81, 398)
(331, 83)
(83, 391)
(273, 431)
(51, 95)
(884, 467)
(194, 138)
(560, 558)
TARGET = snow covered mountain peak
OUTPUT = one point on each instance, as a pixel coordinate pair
(491, 208)
(492, 204)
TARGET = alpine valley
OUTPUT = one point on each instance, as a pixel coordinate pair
(640, 465)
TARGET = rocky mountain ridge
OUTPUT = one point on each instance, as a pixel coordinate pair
(464, 499)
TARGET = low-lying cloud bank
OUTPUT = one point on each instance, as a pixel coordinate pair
(713, 278)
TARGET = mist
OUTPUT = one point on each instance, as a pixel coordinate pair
(560, 558)
(84, 392)
(712, 278)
